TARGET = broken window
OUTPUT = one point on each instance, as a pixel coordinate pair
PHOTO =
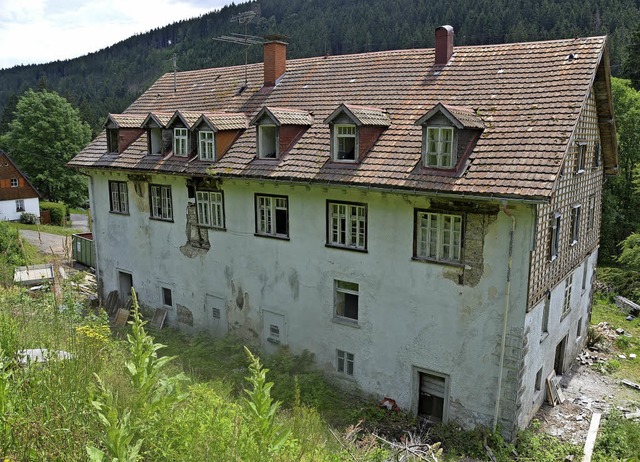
(566, 304)
(346, 300)
(575, 224)
(432, 396)
(20, 205)
(180, 142)
(210, 208)
(347, 225)
(167, 297)
(161, 206)
(345, 362)
(344, 143)
(272, 216)
(438, 147)
(119, 197)
(267, 141)
(439, 236)
(554, 236)
(206, 145)
(14, 182)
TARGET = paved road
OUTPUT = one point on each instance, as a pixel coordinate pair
(48, 243)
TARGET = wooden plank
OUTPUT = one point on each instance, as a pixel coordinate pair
(158, 318)
(630, 384)
(122, 316)
(552, 395)
(591, 437)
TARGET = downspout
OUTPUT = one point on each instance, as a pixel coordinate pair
(506, 313)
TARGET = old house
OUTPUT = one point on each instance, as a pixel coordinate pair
(17, 194)
(425, 221)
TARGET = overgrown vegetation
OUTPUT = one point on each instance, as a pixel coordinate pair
(618, 439)
(14, 252)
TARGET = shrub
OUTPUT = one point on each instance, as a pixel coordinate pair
(618, 439)
(28, 218)
(58, 212)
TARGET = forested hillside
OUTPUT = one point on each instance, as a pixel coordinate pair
(109, 80)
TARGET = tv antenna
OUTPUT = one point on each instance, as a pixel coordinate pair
(245, 39)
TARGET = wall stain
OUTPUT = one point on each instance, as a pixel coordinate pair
(197, 236)
(294, 283)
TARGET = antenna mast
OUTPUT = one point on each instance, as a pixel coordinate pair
(244, 39)
(175, 71)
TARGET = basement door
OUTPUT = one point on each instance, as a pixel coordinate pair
(274, 330)
(125, 283)
(432, 395)
(215, 315)
(559, 363)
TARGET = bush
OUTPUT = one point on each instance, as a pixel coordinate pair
(28, 218)
(58, 212)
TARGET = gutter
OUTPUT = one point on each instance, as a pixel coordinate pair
(505, 315)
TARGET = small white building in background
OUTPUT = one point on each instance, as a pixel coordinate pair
(17, 194)
(426, 222)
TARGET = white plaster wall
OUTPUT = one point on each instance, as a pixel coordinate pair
(542, 347)
(8, 209)
(411, 314)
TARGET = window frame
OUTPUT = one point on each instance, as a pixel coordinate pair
(418, 239)
(271, 220)
(438, 153)
(597, 152)
(164, 290)
(118, 204)
(113, 141)
(575, 224)
(14, 182)
(566, 302)
(206, 145)
(181, 142)
(261, 141)
(338, 137)
(162, 198)
(581, 157)
(591, 212)
(340, 287)
(20, 206)
(208, 207)
(554, 236)
(361, 230)
(345, 363)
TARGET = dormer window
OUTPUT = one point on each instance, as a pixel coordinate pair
(206, 145)
(112, 140)
(122, 130)
(180, 142)
(268, 141)
(439, 152)
(155, 141)
(345, 143)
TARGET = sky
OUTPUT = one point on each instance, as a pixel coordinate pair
(40, 31)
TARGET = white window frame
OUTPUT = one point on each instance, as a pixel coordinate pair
(118, 197)
(436, 149)
(581, 156)
(575, 224)
(265, 138)
(267, 208)
(347, 225)
(442, 231)
(14, 182)
(341, 290)
(20, 205)
(210, 208)
(180, 142)
(566, 302)
(206, 145)
(161, 202)
(591, 212)
(342, 132)
(554, 236)
(345, 362)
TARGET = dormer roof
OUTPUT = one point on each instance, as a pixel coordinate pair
(460, 117)
(157, 119)
(361, 115)
(124, 120)
(284, 116)
(218, 121)
(187, 118)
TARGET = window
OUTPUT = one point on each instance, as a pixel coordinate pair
(119, 197)
(438, 236)
(112, 140)
(272, 216)
(180, 142)
(14, 182)
(591, 208)
(346, 300)
(274, 334)
(155, 140)
(538, 384)
(596, 155)
(210, 208)
(345, 362)
(575, 224)
(345, 143)
(554, 233)
(545, 314)
(432, 396)
(585, 274)
(581, 157)
(579, 329)
(347, 225)
(206, 145)
(267, 142)
(439, 147)
(20, 205)
(566, 304)
(167, 297)
(161, 208)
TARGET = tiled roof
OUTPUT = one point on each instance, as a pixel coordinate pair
(286, 116)
(225, 121)
(466, 116)
(126, 120)
(528, 95)
(369, 115)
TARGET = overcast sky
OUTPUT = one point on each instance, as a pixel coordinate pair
(40, 31)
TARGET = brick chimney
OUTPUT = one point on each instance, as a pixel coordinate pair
(444, 45)
(275, 61)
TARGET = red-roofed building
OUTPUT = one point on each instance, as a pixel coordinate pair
(426, 222)
(17, 194)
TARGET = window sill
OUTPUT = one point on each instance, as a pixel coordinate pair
(344, 247)
(273, 236)
(213, 228)
(544, 336)
(265, 160)
(166, 220)
(118, 213)
(346, 321)
(564, 315)
(439, 262)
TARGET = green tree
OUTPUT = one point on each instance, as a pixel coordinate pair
(45, 133)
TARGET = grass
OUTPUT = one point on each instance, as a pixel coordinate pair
(59, 230)
(78, 211)
(15, 252)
